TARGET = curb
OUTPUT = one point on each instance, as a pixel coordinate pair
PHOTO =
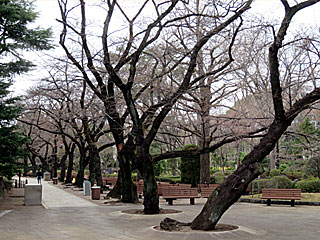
(262, 201)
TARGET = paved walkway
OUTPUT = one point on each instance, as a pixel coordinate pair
(70, 217)
(53, 197)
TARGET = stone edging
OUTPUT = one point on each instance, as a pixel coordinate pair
(264, 201)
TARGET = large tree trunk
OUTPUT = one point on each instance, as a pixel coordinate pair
(150, 190)
(236, 184)
(128, 188)
(116, 190)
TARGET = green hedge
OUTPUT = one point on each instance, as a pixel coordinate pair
(309, 185)
(275, 182)
(169, 179)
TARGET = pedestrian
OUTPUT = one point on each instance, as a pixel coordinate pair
(39, 174)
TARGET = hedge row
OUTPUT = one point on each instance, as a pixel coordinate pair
(311, 185)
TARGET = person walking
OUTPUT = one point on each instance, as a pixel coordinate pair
(39, 175)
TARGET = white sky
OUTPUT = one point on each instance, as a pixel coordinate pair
(49, 12)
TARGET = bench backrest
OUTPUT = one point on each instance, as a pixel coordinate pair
(206, 191)
(281, 193)
(112, 180)
(179, 191)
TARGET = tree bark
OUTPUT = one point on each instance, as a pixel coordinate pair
(128, 188)
(150, 190)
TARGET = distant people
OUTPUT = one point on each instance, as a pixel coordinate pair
(39, 175)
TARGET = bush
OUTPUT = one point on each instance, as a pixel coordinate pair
(275, 182)
(274, 172)
(169, 179)
(283, 167)
(294, 175)
(313, 166)
(213, 180)
(311, 185)
(282, 182)
(219, 177)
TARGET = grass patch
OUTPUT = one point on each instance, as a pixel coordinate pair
(306, 197)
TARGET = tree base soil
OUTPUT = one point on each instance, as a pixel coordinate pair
(140, 211)
(172, 225)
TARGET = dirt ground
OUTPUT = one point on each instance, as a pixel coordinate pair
(14, 200)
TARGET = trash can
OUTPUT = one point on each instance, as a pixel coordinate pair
(95, 193)
(86, 188)
(55, 180)
(46, 176)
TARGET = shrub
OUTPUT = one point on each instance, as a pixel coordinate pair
(311, 185)
(169, 179)
(219, 177)
(275, 182)
(213, 180)
(283, 167)
(313, 166)
(274, 172)
(282, 182)
(294, 175)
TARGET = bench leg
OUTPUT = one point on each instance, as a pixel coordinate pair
(192, 201)
(170, 201)
(268, 202)
(292, 203)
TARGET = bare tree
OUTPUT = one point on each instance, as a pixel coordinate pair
(233, 187)
(121, 73)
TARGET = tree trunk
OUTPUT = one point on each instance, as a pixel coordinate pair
(236, 184)
(25, 164)
(116, 191)
(205, 168)
(80, 174)
(128, 188)
(70, 164)
(63, 167)
(32, 159)
(272, 159)
(150, 190)
(95, 166)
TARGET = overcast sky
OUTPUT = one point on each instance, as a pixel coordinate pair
(49, 12)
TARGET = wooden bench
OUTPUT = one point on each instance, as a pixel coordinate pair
(110, 181)
(162, 185)
(207, 189)
(171, 193)
(286, 194)
(140, 187)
